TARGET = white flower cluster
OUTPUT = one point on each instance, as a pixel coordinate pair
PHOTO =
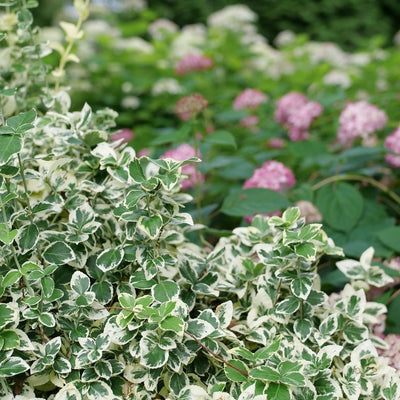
(166, 85)
(237, 17)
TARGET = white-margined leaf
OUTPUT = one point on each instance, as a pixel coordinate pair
(110, 259)
(13, 366)
(301, 287)
(165, 291)
(27, 238)
(80, 283)
(58, 253)
(199, 328)
(99, 391)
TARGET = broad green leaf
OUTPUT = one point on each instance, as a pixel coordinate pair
(53, 347)
(103, 369)
(172, 323)
(224, 313)
(61, 365)
(301, 287)
(288, 306)
(80, 282)
(110, 259)
(306, 250)
(392, 389)
(47, 284)
(290, 373)
(341, 205)
(8, 171)
(99, 390)
(136, 171)
(302, 328)
(177, 382)
(390, 237)
(355, 333)
(155, 357)
(58, 253)
(103, 291)
(277, 391)
(150, 226)
(199, 328)
(221, 138)
(266, 352)
(138, 280)
(165, 291)
(22, 122)
(253, 201)
(28, 237)
(291, 215)
(265, 373)
(47, 319)
(13, 366)
(11, 278)
(7, 236)
(329, 325)
(235, 375)
(9, 339)
(7, 314)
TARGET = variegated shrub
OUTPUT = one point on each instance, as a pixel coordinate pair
(107, 294)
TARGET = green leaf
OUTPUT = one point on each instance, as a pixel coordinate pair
(199, 328)
(390, 237)
(233, 374)
(28, 237)
(47, 284)
(301, 287)
(58, 253)
(7, 236)
(136, 171)
(9, 339)
(150, 226)
(291, 215)
(177, 382)
(61, 365)
(288, 306)
(138, 280)
(355, 333)
(290, 373)
(266, 352)
(13, 366)
(110, 259)
(22, 122)
(341, 205)
(178, 136)
(172, 323)
(47, 319)
(277, 391)
(11, 278)
(8, 171)
(302, 328)
(155, 357)
(80, 282)
(103, 291)
(306, 250)
(99, 390)
(165, 291)
(7, 314)
(253, 201)
(265, 373)
(221, 138)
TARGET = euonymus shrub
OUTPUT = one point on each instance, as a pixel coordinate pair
(104, 297)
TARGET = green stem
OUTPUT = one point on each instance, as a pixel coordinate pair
(22, 170)
(393, 296)
(360, 178)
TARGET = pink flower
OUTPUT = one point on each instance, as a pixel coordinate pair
(309, 211)
(143, 153)
(250, 99)
(189, 106)
(276, 143)
(125, 134)
(359, 120)
(392, 143)
(249, 121)
(181, 153)
(297, 113)
(393, 352)
(193, 62)
(272, 175)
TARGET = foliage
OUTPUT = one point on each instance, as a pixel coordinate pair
(109, 292)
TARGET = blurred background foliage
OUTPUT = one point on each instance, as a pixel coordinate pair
(349, 23)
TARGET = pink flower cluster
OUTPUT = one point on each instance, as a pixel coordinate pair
(189, 106)
(250, 99)
(393, 352)
(182, 153)
(360, 120)
(297, 113)
(392, 143)
(272, 175)
(193, 62)
(125, 134)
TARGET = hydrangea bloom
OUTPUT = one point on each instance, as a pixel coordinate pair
(393, 352)
(309, 211)
(297, 113)
(181, 153)
(359, 120)
(276, 143)
(193, 62)
(392, 143)
(250, 99)
(191, 105)
(235, 17)
(161, 28)
(125, 134)
(272, 175)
